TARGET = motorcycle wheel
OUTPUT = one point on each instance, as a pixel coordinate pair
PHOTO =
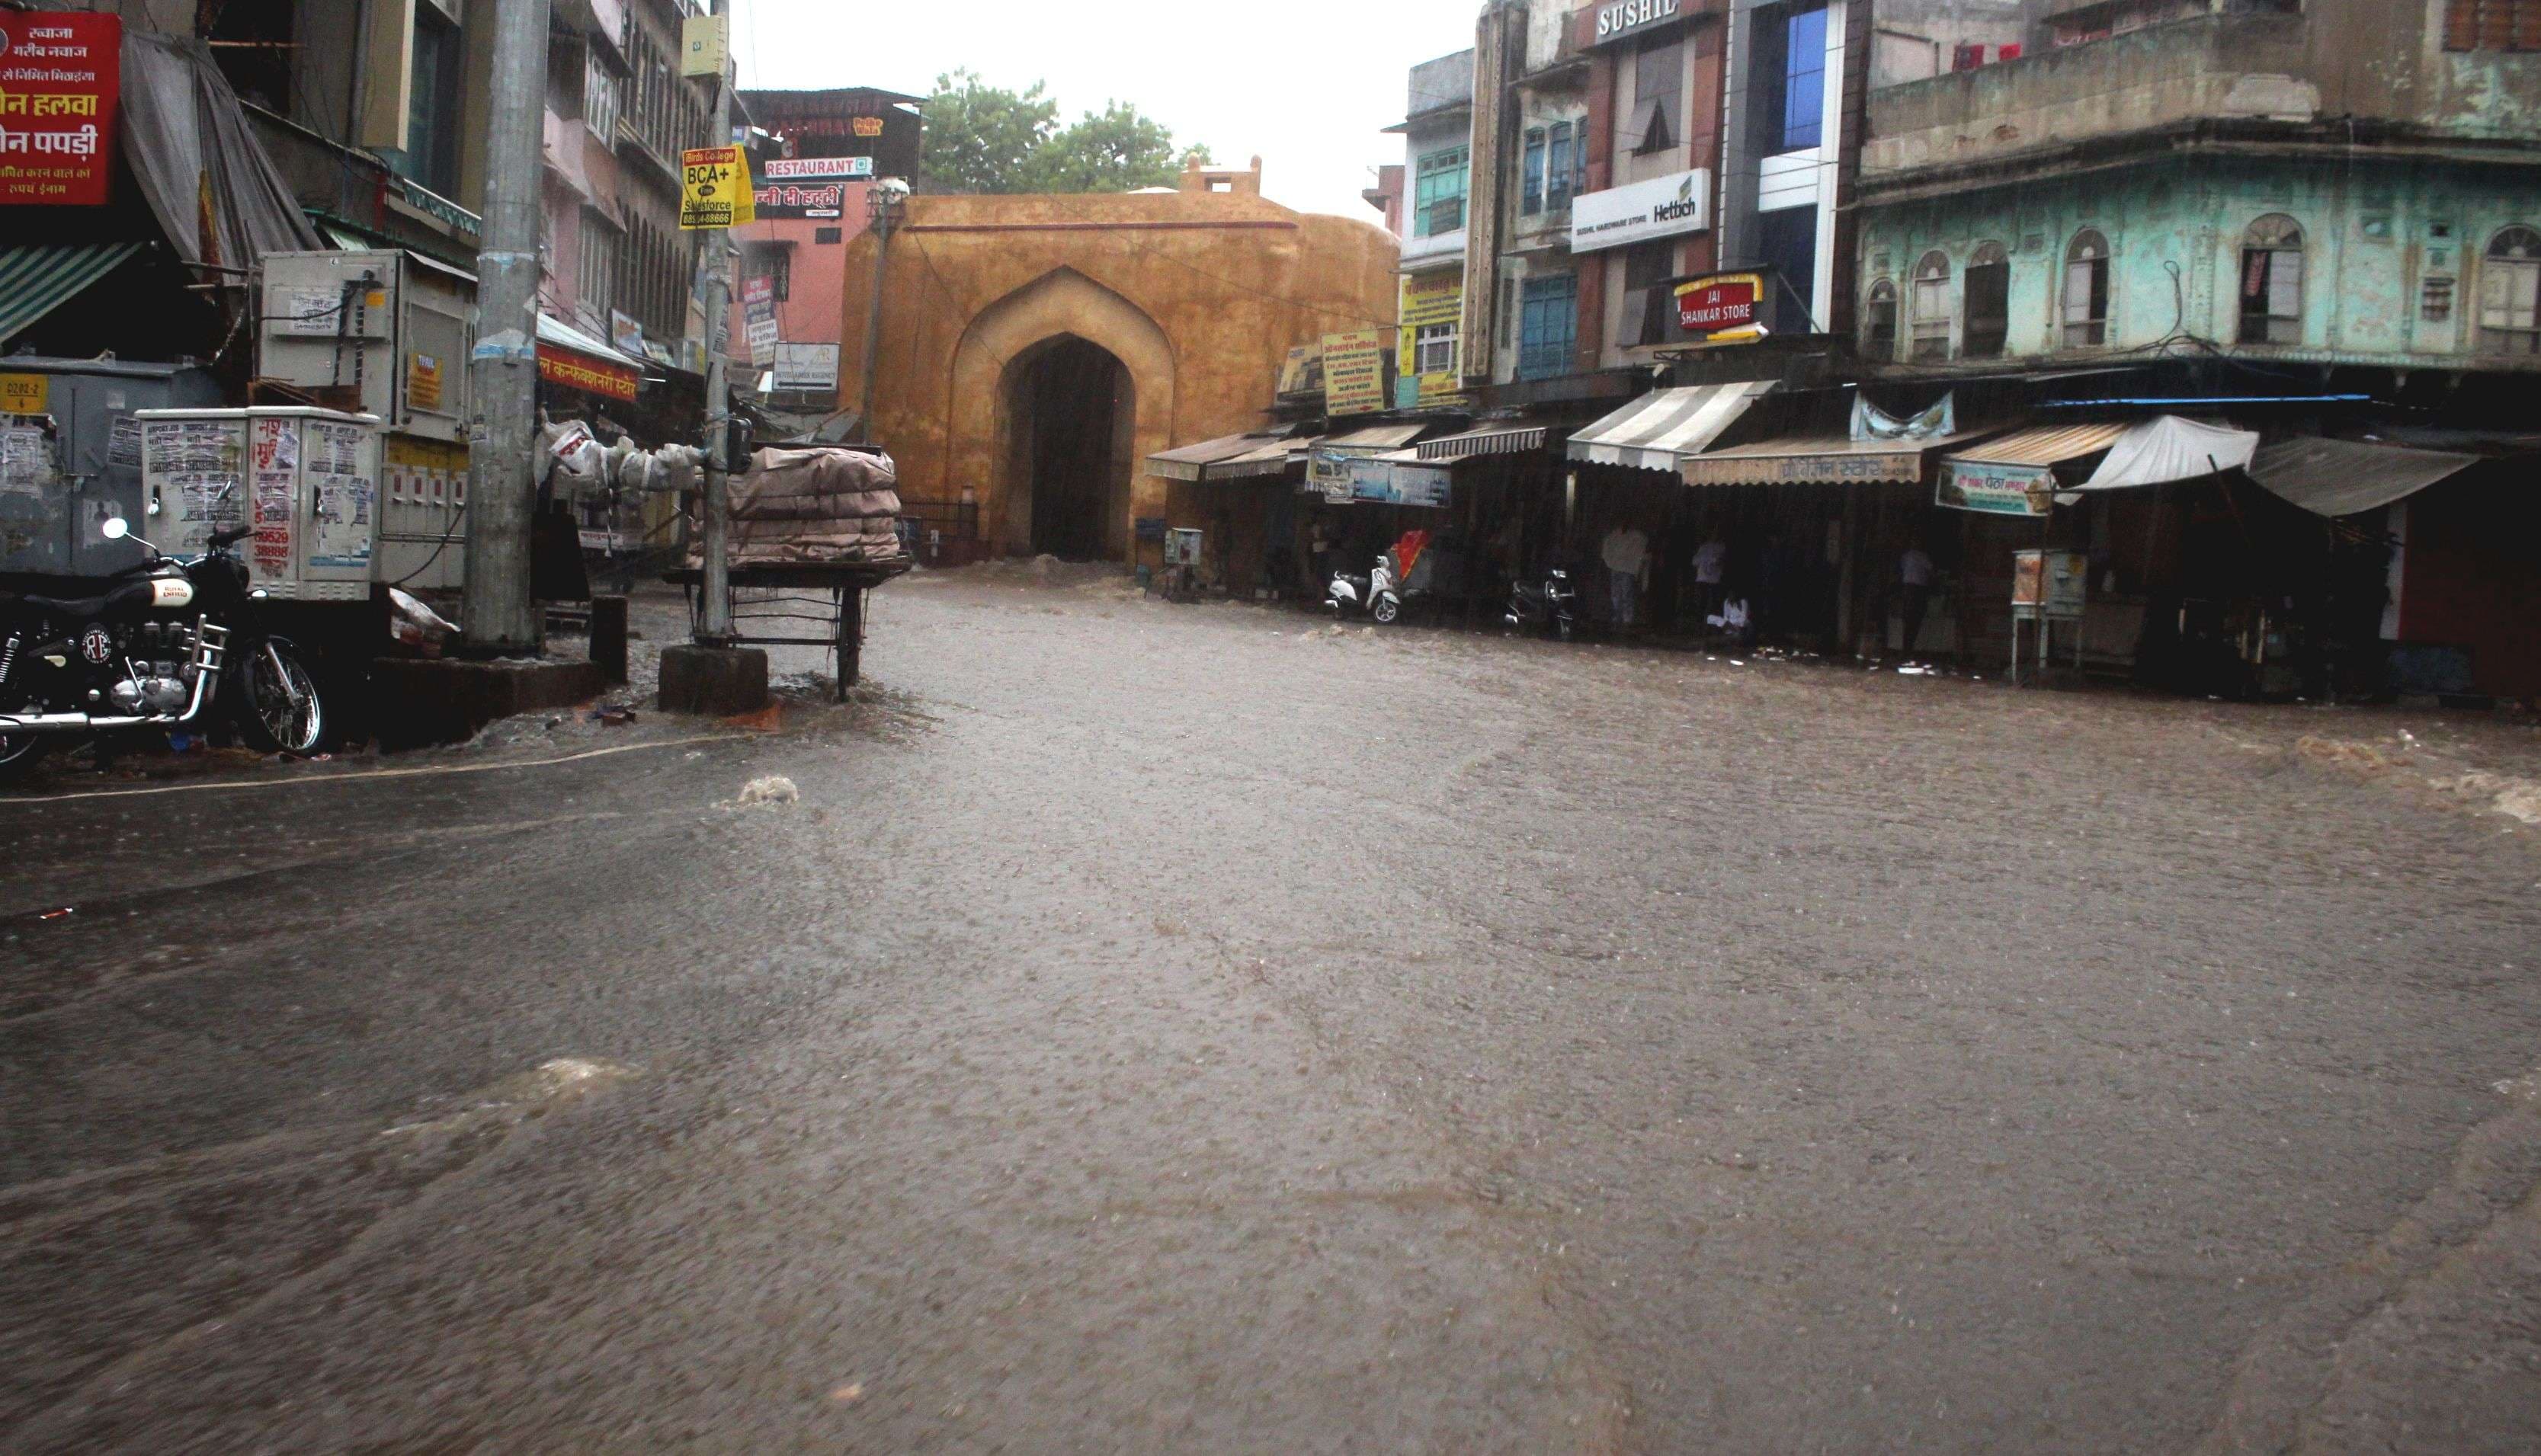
(18, 754)
(282, 710)
(1387, 609)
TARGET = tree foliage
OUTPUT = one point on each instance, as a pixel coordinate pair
(982, 138)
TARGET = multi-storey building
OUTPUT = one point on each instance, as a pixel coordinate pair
(1434, 181)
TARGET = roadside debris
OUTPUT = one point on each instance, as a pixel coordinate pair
(770, 792)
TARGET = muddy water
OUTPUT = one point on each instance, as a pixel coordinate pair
(1203, 1028)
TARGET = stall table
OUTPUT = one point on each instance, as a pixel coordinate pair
(777, 606)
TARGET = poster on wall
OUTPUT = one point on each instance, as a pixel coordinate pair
(1354, 372)
(60, 77)
(1427, 366)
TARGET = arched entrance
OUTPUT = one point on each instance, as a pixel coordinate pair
(1015, 353)
(1073, 408)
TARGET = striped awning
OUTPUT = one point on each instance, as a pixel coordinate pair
(1837, 459)
(38, 277)
(2044, 446)
(1375, 437)
(1227, 457)
(1659, 430)
(1498, 438)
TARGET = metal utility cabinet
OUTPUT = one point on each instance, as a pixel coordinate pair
(307, 480)
(70, 456)
(387, 333)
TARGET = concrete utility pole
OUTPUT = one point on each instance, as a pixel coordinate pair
(715, 627)
(883, 203)
(504, 369)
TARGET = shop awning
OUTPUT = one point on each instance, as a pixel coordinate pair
(1374, 437)
(1227, 457)
(2160, 450)
(2043, 446)
(1497, 438)
(38, 277)
(555, 330)
(1828, 460)
(1659, 430)
(2346, 477)
(576, 361)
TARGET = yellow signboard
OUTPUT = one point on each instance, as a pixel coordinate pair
(715, 191)
(26, 394)
(1354, 372)
(423, 380)
(702, 46)
(1432, 311)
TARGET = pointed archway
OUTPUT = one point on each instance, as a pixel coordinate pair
(1055, 462)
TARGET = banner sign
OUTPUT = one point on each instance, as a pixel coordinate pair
(824, 200)
(813, 367)
(1997, 490)
(715, 189)
(592, 375)
(758, 315)
(1723, 306)
(1829, 467)
(60, 75)
(1354, 372)
(1398, 483)
(1431, 303)
(1638, 211)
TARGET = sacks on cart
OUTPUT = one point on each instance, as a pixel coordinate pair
(800, 507)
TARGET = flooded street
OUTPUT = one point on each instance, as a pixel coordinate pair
(1207, 1028)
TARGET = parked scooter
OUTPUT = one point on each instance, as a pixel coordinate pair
(1550, 607)
(159, 647)
(1372, 592)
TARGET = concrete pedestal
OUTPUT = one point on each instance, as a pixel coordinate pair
(713, 681)
(415, 703)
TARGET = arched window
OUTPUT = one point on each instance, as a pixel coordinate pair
(2509, 293)
(1879, 321)
(1931, 322)
(2272, 281)
(2086, 290)
(1988, 290)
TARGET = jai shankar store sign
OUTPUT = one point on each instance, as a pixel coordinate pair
(1722, 307)
(1637, 212)
(60, 75)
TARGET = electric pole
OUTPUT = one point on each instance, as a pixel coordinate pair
(715, 626)
(503, 373)
(883, 203)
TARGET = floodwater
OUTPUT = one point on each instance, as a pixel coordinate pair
(1208, 1028)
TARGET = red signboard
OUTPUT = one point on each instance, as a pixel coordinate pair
(1709, 305)
(591, 376)
(60, 74)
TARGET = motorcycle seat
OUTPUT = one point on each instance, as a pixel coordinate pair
(77, 607)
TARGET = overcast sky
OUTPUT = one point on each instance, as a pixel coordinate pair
(1307, 85)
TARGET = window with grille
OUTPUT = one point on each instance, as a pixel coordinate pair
(2509, 293)
(1931, 322)
(2272, 282)
(2086, 292)
(1531, 184)
(1433, 349)
(2493, 24)
(1438, 193)
(1558, 167)
(1988, 296)
(1547, 326)
(1879, 321)
(599, 99)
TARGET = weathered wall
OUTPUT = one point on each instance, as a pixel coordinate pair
(2370, 241)
(1199, 295)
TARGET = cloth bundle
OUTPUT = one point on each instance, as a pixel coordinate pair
(812, 506)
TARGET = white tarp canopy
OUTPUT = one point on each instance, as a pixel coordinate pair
(2168, 448)
(2346, 478)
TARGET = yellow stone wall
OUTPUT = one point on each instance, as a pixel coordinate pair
(1199, 294)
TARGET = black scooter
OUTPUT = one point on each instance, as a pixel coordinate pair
(1553, 608)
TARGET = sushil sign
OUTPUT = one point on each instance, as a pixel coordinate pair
(1627, 17)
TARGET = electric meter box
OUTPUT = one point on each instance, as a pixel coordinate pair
(307, 480)
(386, 331)
(2050, 585)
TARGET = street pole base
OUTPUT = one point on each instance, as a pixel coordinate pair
(713, 681)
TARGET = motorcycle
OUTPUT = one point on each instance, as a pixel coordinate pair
(163, 644)
(1553, 607)
(1373, 592)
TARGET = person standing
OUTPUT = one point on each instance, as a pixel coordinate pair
(1914, 573)
(1627, 554)
(1711, 575)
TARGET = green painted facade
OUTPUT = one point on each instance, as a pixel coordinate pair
(2381, 240)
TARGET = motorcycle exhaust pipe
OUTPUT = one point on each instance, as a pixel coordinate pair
(211, 647)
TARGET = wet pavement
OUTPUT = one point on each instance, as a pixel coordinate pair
(1205, 1028)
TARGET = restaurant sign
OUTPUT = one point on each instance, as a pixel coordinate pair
(60, 75)
(1997, 490)
(1721, 308)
